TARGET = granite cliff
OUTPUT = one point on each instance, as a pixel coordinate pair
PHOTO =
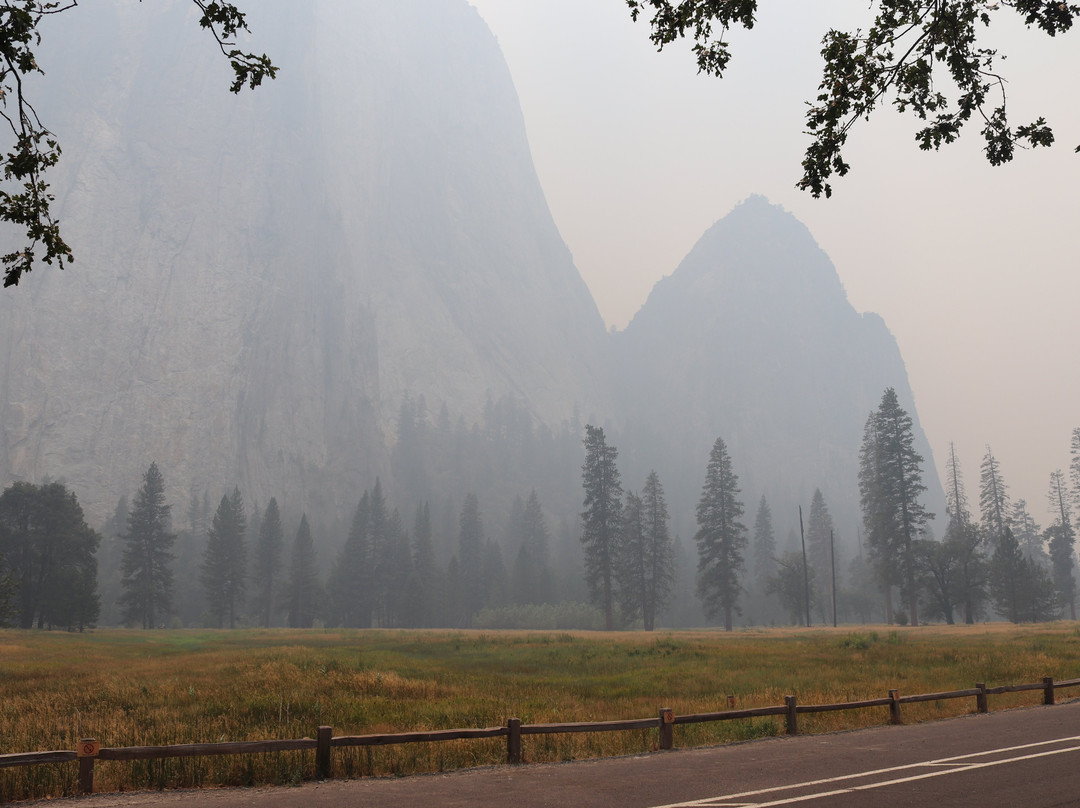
(263, 279)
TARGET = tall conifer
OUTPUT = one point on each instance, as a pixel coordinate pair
(721, 537)
(890, 487)
(819, 548)
(146, 565)
(224, 565)
(600, 521)
(266, 566)
(303, 593)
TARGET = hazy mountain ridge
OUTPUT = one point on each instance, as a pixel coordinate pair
(753, 339)
(263, 279)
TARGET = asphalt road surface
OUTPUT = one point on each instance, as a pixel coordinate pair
(1026, 757)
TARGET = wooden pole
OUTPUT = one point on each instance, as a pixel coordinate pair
(894, 707)
(513, 740)
(792, 714)
(667, 728)
(1048, 690)
(980, 700)
(322, 752)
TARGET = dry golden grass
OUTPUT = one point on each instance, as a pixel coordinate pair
(134, 688)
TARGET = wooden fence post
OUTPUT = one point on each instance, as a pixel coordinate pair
(980, 699)
(667, 728)
(894, 707)
(513, 741)
(322, 752)
(792, 715)
(87, 754)
(1048, 690)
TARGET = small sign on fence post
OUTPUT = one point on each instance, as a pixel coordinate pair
(87, 752)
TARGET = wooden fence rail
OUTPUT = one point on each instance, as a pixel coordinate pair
(89, 750)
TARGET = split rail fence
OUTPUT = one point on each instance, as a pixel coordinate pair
(90, 750)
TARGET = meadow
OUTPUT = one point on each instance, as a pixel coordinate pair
(133, 688)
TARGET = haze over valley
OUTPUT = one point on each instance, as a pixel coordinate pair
(346, 293)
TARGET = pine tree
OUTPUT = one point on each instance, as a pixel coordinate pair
(600, 521)
(658, 551)
(1021, 588)
(531, 579)
(1008, 569)
(890, 485)
(993, 497)
(471, 542)
(224, 564)
(966, 542)
(303, 593)
(1062, 542)
(266, 566)
(819, 551)
(721, 537)
(381, 553)
(350, 585)
(1040, 601)
(630, 559)
(396, 569)
(1028, 534)
(762, 608)
(880, 535)
(764, 544)
(146, 565)
(956, 502)
(424, 586)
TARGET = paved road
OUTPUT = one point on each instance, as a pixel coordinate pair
(1027, 757)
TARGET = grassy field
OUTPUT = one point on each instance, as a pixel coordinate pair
(131, 688)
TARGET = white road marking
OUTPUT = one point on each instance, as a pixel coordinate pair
(954, 765)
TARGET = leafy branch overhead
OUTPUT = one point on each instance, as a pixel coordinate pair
(920, 56)
(25, 200)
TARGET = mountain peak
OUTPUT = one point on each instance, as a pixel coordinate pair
(753, 338)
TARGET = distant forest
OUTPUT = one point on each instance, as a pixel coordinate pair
(508, 525)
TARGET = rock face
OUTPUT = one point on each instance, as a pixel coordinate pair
(262, 278)
(753, 339)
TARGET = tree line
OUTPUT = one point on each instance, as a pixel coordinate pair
(390, 571)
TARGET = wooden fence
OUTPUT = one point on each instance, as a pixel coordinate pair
(90, 750)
